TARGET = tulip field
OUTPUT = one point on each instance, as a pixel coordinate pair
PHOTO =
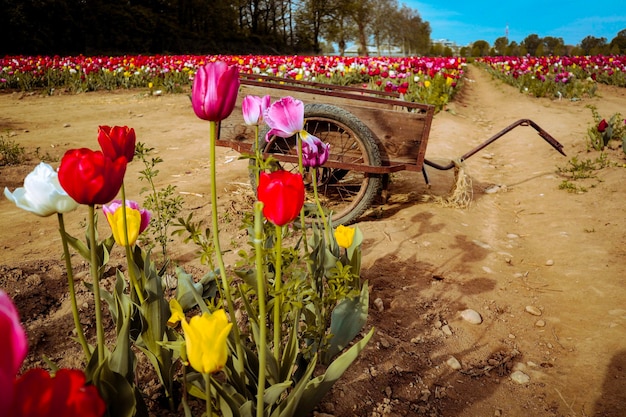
(560, 77)
(429, 80)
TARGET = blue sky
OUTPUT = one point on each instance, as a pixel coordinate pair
(464, 22)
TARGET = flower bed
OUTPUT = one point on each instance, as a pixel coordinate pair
(423, 79)
(562, 77)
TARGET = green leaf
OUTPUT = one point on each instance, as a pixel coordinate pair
(189, 293)
(273, 393)
(347, 320)
(79, 246)
(318, 387)
(289, 407)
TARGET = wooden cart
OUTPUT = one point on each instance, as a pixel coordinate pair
(371, 134)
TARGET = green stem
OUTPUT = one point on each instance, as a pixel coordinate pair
(129, 254)
(258, 154)
(218, 250)
(95, 276)
(70, 284)
(302, 218)
(209, 405)
(278, 280)
(319, 205)
(260, 279)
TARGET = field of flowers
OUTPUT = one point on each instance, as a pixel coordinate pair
(571, 77)
(419, 79)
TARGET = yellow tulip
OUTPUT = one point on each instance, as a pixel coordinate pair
(205, 338)
(177, 313)
(116, 221)
(344, 235)
(426, 83)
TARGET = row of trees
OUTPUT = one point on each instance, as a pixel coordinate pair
(536, 46)
(206, 26)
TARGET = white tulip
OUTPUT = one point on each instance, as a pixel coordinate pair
(42, 194)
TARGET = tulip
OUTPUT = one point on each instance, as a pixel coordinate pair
(282, 194)
(137, 220)
(214, 91)
(176, 313)
(117, 141)
(205, 339)
(42, 194)
(285, 117)
(90, 177)
(314, 151)
(13, 350)
(602, 126)
(37, 394)
(344, 236)
(253, 108)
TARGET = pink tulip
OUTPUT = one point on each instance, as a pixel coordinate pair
(314, 151)
(253, 108)
(214, 91)
(285, 117)
(13, 349)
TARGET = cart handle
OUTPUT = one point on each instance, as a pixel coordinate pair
(522, 122)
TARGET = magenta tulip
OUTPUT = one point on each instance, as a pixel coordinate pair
(253, 108)
(285, 117)
(13, 350)
(214, 91)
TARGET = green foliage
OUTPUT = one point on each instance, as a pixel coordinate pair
(164, 204)
(11, 153)
(615, 130)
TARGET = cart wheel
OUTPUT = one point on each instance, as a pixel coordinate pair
(346, 193)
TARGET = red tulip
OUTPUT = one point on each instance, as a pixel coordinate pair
(282, 194)
(214, 91)
(90, 177)
(602, 126)
(64, 395)
(117, 141)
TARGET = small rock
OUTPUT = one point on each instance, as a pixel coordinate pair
(384, 343)
(379, 304)
(549, 262)
(454, 363)
(520, 377)
(492, 189)
(471, 316)
(540, 323)
(512, 236)
(446, 330)
(66, 125)
(388, 392)
(533, 310)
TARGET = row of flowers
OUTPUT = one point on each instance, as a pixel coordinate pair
(558, 76)
(304, 304)
(431, 80)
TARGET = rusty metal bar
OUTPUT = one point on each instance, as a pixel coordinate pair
(245, 77)
(522, 122)
(358, 95)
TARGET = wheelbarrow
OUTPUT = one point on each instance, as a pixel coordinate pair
(371, 133)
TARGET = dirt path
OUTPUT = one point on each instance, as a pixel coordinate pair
(527, 245)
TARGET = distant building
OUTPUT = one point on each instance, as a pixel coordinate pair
(385, 50)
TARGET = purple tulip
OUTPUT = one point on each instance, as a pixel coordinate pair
(314, 151)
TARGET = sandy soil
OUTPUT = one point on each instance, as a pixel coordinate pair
(527, 245)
